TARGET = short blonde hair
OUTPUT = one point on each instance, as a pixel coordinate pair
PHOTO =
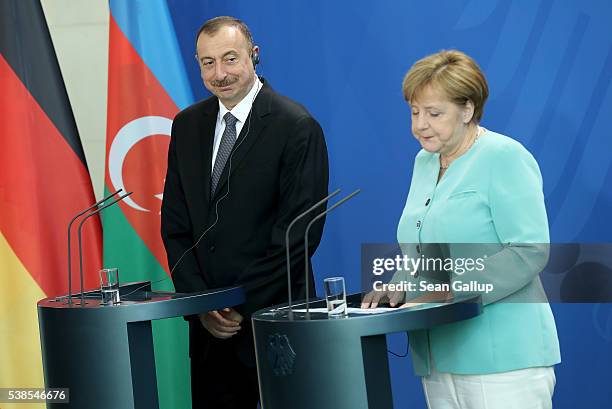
(454, 73)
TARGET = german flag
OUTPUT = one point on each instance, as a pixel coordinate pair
(44, 181)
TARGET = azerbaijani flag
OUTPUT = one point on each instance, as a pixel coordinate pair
(44, 181)
(147, 85)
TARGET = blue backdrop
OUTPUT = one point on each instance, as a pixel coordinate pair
(549, 67)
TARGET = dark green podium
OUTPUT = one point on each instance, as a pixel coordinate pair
(316, 362)
(104, 353)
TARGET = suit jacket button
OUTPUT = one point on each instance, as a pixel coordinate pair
(212, 249)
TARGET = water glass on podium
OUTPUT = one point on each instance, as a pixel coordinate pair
(335, 295)
(109, 286)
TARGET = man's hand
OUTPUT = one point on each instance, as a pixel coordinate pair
(371, 299)
(231, 314)
(224, 324)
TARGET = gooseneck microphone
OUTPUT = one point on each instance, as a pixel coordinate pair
(120, 198)
(338, 203)
(288, 257)
(69, 250)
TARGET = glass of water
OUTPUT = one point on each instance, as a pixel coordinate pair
(335, 295)
(109, 285)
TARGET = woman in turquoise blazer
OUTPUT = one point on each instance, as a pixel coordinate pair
(472, 185)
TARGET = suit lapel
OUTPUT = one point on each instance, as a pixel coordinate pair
(248, 135)
(200, 165)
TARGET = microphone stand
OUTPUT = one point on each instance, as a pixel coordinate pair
(300, 216)
(338, 203)
(80, 241)
(69, 250)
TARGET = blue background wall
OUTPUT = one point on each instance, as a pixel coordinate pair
(549, 67)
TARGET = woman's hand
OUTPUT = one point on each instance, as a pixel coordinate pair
(373, 298)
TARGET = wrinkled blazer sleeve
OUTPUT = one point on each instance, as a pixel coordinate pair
(516, 202)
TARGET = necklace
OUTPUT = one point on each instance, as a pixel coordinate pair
(479, 131)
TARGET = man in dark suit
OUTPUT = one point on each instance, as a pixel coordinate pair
(241, 165)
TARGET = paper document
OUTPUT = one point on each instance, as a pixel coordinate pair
(351, 310)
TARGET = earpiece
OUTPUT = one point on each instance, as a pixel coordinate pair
(255, 56)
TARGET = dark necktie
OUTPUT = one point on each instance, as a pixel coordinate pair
(225, 148)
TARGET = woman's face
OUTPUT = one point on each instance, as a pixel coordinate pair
(439, 124)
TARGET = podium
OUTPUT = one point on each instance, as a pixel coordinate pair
(337, 363)
(104, 353)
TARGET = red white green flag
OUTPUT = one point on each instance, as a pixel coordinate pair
(147, 85)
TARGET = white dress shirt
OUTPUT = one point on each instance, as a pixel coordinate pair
(241, 113)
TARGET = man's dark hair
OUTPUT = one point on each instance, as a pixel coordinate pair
(215, 24)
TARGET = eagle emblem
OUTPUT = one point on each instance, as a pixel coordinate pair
(281, 355)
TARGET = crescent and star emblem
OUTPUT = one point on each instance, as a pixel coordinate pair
(128, 136)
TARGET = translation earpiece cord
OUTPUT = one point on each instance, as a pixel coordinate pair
(229, 173)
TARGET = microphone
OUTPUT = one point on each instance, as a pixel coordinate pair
(120, 198)
(69, 227)
(300, 216)
(338, 203)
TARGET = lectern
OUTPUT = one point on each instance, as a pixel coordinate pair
(104, 353)
(316, 362)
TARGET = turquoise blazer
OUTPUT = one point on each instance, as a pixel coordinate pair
(491, 194)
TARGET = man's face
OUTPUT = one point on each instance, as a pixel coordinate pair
(225, 65)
